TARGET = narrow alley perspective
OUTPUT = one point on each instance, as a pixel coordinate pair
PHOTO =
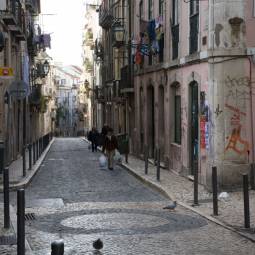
(127, 127)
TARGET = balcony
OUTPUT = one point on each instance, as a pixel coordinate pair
(105, 15)
(125, 82)
(33, 6)
(13, 16)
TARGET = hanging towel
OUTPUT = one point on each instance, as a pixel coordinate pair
(151, 30)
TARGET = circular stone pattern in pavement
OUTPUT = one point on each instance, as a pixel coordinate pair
(114, 221)
(117, 221)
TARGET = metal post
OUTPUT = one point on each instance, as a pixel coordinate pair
(195, 202)
(1, 157)
(215, 190)
(30, 156)
(246, 201)
(34, 153)
(21, 222)
(252, 183)
(37, 149)
(146, 159)
(158, 164)
(6, 199)
(57, 248)
(24, 160)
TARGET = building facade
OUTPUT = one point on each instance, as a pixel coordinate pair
(194, 86)
(24, 65)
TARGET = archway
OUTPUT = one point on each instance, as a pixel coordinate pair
(151, 120)
(141, 119)
(194, 124)
(161, 119)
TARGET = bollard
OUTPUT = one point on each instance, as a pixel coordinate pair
(37, 149)
(246, 201)
(195, 202)
(158, 164)
(30, 155)
(1, 158)
(215, 190)
(57, 248)
(21, 222)
(252, 183)
(24, 160)
(34, 153)
(146, 160)
(6, 199)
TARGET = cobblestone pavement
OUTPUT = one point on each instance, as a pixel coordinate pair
(72, 198)
(181, 189)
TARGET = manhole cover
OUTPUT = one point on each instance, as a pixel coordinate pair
(8, 240)
(29, 216)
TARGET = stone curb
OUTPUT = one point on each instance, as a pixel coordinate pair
(170, 196)
(31, 173)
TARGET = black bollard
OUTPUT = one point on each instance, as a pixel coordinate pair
(158, 164)
(57, 248)
(1, 158)
(6, 199)
(21, 222)
(146, 160)
(215, 190)
(246, 201)
(24, 160)
(252, 183)
(34, 153)
(37, 149)
(30, 155)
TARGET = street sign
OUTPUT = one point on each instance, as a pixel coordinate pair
(6, 72)
(19, 89)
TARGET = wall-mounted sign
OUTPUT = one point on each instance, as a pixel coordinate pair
(6, 72)
(19, 90)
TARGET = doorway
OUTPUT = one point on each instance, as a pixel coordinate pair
(151, 120)
(194, 133)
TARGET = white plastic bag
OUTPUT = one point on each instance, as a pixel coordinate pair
(102, 161)
(117, 157)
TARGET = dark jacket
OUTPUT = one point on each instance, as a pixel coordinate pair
(93, 136)
(111, 144)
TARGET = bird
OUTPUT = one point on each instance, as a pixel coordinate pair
(98, 244)
(171, 207)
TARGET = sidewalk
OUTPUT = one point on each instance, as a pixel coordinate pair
(16, 171)
(180, 189)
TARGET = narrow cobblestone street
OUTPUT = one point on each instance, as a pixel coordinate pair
(73, 199)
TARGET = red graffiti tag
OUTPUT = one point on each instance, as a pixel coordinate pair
(236, 143)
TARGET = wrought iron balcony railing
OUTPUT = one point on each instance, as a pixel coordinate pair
(105, 15)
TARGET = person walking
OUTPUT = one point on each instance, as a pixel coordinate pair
(110, 145)
(103, 135)
(93, 138)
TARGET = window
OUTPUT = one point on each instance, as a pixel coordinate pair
(175, 29)
(177, 114)
(141, 9)
(161, 7)
(150, 10)
(194, 25)
(175, 18)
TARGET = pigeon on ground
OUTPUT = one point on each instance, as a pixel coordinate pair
(98, 244)
(171, 207)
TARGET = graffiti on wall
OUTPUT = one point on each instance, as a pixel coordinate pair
(239, 89)
(236, 143)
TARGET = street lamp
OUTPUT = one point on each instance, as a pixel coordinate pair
(46, 67)
(118, 34)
